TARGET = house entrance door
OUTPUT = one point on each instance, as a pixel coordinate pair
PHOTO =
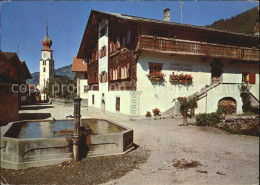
(216, 71)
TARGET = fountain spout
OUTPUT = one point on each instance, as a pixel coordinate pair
(77, 116)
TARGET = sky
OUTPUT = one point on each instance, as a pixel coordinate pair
(23, 23)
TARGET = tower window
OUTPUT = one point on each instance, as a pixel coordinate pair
(44, 69)
(93, 99)
(118, 103)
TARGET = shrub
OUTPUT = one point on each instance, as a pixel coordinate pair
(245, 95)
(205, 119)
(221, 110)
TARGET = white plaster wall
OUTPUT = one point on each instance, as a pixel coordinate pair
(81, 82)
(109, 96)
(209, 103)
(103, 62)
(233, 74)
(110, 100)
(161, 94)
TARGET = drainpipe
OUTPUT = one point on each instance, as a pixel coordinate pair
(77, 116)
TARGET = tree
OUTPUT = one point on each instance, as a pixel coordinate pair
(187, 107)
(60, 87)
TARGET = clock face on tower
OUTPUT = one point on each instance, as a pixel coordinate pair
(44, 55)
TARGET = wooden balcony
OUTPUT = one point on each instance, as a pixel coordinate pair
(186, 47)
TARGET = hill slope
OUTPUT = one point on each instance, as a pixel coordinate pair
(242, 23)
(63, 71)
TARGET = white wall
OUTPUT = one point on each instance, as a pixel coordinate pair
(161, 94)
(81, 82)
(210, 100)
(109, 96)
(233, 74)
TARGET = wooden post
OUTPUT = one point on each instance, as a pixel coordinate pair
(77, 116)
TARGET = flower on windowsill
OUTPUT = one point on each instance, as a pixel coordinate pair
(206, 85)
(181, 78)
(156, 76)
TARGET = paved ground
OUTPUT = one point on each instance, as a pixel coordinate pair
(227, 158)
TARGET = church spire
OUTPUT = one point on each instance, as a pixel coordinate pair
(46, 42)
(47, 27)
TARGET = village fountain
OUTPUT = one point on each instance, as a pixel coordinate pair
(27, 144)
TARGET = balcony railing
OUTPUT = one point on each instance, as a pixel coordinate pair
(185, 47)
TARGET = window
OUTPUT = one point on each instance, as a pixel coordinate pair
(252, 78)
(103, 51)
(93, 99)
(118, 103)
(44, 69)
(120, 73)
(85, 88)
(85, 75)
(92, 78)
(155, 67)
(103, 31)
(248, 78)
(121, 39)
(125, 73)
(103, 77)
(94, 56)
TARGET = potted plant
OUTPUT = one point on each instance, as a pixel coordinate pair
(156, 112)
(148, 114)
(156, 76)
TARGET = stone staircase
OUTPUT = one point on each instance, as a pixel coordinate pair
(174, 111)
(254, 100)
(205, 89)
(134, 102)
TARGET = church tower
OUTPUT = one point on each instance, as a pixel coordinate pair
(46, 64)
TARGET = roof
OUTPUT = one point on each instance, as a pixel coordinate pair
(90, 34)
(79, 65)
(28, 74)
(20, 64)
(142, 19)
(3, 58)
(9, 54)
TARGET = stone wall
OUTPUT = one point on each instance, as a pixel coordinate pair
(248, 125)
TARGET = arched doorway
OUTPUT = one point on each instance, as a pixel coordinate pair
(216, 71)
(228, 104)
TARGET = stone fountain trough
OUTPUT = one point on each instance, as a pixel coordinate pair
(27, 144)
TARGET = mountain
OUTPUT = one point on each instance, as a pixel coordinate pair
(242, 23)
(63, 71)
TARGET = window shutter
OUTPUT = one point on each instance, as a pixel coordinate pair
(128, 70)
(252, 78)
(118, 73)
(110, 74)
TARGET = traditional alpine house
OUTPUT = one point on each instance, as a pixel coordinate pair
(79, 66)
(13, 76)
(137, 64)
